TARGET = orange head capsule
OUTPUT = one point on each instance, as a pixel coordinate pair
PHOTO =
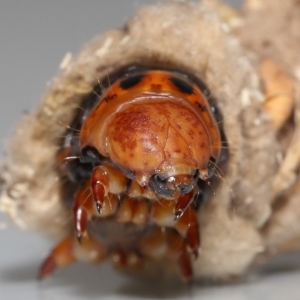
(155, 126)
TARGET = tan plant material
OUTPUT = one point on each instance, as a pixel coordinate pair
(279, 92)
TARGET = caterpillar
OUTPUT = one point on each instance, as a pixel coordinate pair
(142, 149)
(167, 152)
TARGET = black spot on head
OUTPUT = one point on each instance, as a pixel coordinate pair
(201, 107)
(79, 172)
(159, 186)
(182, 85)
(131, 81)
(90, 155)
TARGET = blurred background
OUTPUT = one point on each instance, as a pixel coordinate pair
(34, 37)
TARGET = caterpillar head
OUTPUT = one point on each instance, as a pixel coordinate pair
(157, 128)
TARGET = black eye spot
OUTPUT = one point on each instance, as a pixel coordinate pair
(159, 186)
(201, 107)
(131, 81)
(90, 155)
(185, 188)
(163, 176)
(79, 172)
(183, 86)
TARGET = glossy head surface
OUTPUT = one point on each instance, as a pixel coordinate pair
(153, 122)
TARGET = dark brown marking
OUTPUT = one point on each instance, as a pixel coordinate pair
(182, 85)
(109, 97)
(131, 81)
(201, 107)
(156, 86)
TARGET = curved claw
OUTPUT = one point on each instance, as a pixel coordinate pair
(178, 214)
(84, 209)
(99, 186)
(98, 206)
(79, 237)
(106, 180)
(184, 202)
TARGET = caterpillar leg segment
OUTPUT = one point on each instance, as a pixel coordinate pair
(122, 259)
(68, 251)
(184, 202)
(188, 226)
(62, 255)
(104, 180)
(162, 213)
(99, 187)
(133, 210)
(84, 209)
(102, 189)
(167, 243)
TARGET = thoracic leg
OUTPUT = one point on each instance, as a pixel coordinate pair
(105, 183)
(133, 210)
(126, 259)
(104, 180)
(84, 208)
(162, 213)
(184, 201)
(167, 243)
(68, 251)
